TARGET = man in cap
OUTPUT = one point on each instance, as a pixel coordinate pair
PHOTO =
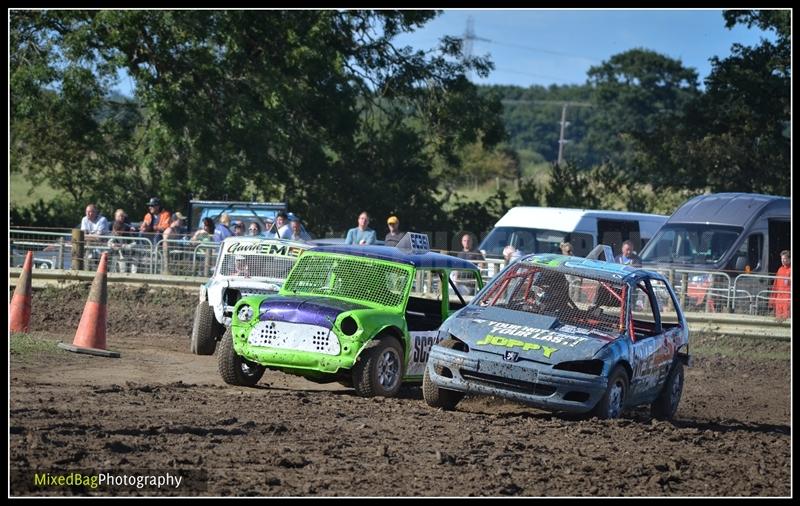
(157, 220)
(394, 235)
(177, 226)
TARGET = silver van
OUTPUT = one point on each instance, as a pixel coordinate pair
(735, 232)
(543, 229)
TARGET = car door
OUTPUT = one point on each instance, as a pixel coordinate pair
(426, 308)
(652, 350)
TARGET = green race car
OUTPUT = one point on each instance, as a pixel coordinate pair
(363, 316)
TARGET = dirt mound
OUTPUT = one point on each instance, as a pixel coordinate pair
(142, 309)
(160, 410)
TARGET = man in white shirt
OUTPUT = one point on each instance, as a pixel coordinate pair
(93, 223)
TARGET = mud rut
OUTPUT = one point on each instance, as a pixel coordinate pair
(159, 409)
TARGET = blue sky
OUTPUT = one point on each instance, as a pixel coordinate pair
(544, 47)
(547, 46)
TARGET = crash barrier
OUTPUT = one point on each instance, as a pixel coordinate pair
(698, 291)
(713, 323)
(185, 258)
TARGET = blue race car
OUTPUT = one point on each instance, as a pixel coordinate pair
(563, 333)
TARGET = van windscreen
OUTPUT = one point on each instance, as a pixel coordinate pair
(690, 244)
(526, 240)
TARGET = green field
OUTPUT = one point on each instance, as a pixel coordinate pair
(23, 193)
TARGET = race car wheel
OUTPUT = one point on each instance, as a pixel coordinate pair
(234, 369)
(666, 404)
(435, 396)
(613, 400)
(204, 337)
(379, 369)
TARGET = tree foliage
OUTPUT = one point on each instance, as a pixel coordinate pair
(733, 136)
(634, 92)
(271, 104)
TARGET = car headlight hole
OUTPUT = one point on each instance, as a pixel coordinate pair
(245, 313)
(349, 326)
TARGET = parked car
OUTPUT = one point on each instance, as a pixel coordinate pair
(245, 266)
(363, 316)
(565, 333)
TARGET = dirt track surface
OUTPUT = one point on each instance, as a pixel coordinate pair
(160, 409)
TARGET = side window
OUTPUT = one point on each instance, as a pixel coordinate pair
(643, 312)
(581, 243)
(748, 256)
(614, 232)
(666, 304)
(466, 282)
(427, 284)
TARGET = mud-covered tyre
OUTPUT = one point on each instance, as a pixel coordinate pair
(435, 396)
(234, 369)
(204, 330)
(613, 400)
(379, 369)
(666, 404)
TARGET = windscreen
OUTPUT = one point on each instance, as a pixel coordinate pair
(364, 280)
(581, 301)
(526, 240)
(690, 244)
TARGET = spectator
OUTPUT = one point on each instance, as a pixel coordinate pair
(121, 217)
(206, 233)
(394, 235)
(94, 224)
(177, 227)
(781, 296)
(511, 254)
(123, 251)
(156, 221)
(566, 248)
(238, 228)
(254, 229)
(223, 228)
(362, 234)
(296, 232)
(465, 280)
(468, 251)
(280, 227)
(627, 256)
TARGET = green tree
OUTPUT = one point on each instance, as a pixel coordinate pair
(634, 92)
(732, 138)
(268, 104)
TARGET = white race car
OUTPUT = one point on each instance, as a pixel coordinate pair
(245, 266)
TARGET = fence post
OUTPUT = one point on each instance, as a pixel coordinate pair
(206, 262)
(60, 256)
(165, 258)
(77, 249)
(684, 288)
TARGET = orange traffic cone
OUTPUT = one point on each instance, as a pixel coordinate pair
(19, 312)
(91, 335)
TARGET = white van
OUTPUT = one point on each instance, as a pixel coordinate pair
(543, 229)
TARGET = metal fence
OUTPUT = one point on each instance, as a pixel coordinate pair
(698, 291)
